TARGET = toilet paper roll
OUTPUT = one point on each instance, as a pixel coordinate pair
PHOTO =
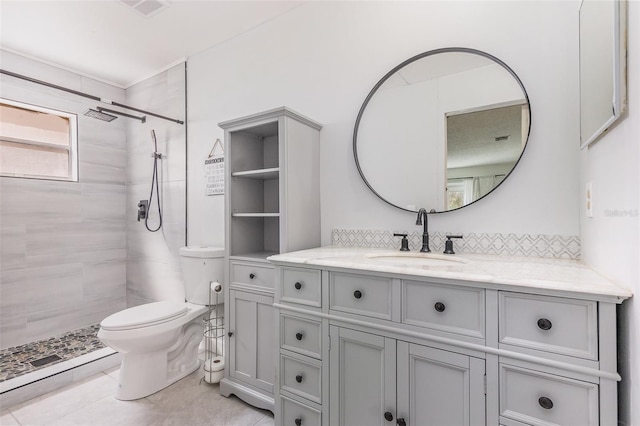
(216, 287)
(213, 376)
(214, 364)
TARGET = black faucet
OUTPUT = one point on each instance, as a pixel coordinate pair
(425, 233)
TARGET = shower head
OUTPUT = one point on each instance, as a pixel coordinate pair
(100, 115)
(123, 114)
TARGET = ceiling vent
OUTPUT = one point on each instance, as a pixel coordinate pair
(146, 8)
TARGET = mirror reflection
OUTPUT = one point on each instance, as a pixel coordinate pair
(602, 67)
(441, 130)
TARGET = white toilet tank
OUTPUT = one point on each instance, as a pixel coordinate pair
(200, 267)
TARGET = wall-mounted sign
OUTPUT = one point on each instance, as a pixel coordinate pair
(214, 170)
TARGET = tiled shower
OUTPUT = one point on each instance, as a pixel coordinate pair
(72, 253)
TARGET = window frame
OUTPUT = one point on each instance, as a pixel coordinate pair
(72, 148)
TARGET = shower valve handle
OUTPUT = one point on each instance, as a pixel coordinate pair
(143, 208)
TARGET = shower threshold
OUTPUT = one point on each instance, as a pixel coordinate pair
(32, 369)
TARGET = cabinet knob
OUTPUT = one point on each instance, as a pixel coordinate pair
(299, 378)
(388, 416)
(230, 333)
(298, 286)
(298, 421)
(357, 294)
(299, 336)
(545, 403)
(401, 422)
(544, 324)
(252, 276)
(439, 306)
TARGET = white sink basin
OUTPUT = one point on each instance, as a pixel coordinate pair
(416, 259)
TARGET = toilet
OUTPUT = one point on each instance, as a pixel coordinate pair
(159, 341)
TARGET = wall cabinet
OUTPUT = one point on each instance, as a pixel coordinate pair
(360, 347)
(272, 205)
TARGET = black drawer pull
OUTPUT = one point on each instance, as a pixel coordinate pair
(357, 294)
(298, 336)
(544, 324)
(299, 378)
(298, 422)
(545, 403)
(252, 276)
(439, 306)
(298, 286)
(388, 416)
(401, 422)
(230, 333)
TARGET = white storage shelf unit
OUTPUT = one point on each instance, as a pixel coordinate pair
(254, 191)
(273, 185)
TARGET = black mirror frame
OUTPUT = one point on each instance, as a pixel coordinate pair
(402, 65)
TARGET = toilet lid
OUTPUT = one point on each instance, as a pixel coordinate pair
(143, 316)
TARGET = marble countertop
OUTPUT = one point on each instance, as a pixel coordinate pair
(501, 272)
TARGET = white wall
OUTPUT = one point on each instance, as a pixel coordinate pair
(611, 239)
(63, 244)
(322, 59)
(153, 262)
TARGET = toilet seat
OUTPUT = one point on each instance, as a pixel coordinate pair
(144, 316)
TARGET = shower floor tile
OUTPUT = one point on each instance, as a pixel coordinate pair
(23, 359)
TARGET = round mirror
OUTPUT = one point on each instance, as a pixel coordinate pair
(441, 130)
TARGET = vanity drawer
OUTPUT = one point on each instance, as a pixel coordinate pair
(301, 377)
(301, 286)
(301, 335)
(458, 310)
(361, 294)
(247, 274)
(551, 324)
(543, 399)
(293, 413)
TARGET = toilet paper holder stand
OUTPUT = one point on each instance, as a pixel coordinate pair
(214, 336)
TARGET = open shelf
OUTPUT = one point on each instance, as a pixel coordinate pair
(259, 256)
(255, 214)
(270, 173)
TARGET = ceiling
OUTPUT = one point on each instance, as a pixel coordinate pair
(123, 42)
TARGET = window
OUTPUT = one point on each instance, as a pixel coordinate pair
(459, 192)
(37, 142)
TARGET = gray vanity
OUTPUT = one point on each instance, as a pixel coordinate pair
(380, 337)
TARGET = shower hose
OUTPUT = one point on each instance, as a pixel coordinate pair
(154, 182)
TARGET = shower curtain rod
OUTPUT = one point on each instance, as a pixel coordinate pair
(86, 95)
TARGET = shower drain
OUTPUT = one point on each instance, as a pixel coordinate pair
(46, 360)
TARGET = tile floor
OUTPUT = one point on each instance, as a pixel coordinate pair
(90, 402)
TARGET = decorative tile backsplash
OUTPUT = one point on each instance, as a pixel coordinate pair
(556, 246)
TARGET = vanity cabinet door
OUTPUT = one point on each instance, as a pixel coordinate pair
(439, 388)
(252, 328)
(362, 378)
(377, 380)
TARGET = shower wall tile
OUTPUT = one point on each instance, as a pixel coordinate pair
(12, 246)
(31, 201)
(98, 173)
(104, 202)
(104, 155)
(161, 246)
(154, 281)
(59, 237)
(153, 266)
(103, 282)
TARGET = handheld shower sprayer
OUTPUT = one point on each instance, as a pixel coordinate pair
(154, 182)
